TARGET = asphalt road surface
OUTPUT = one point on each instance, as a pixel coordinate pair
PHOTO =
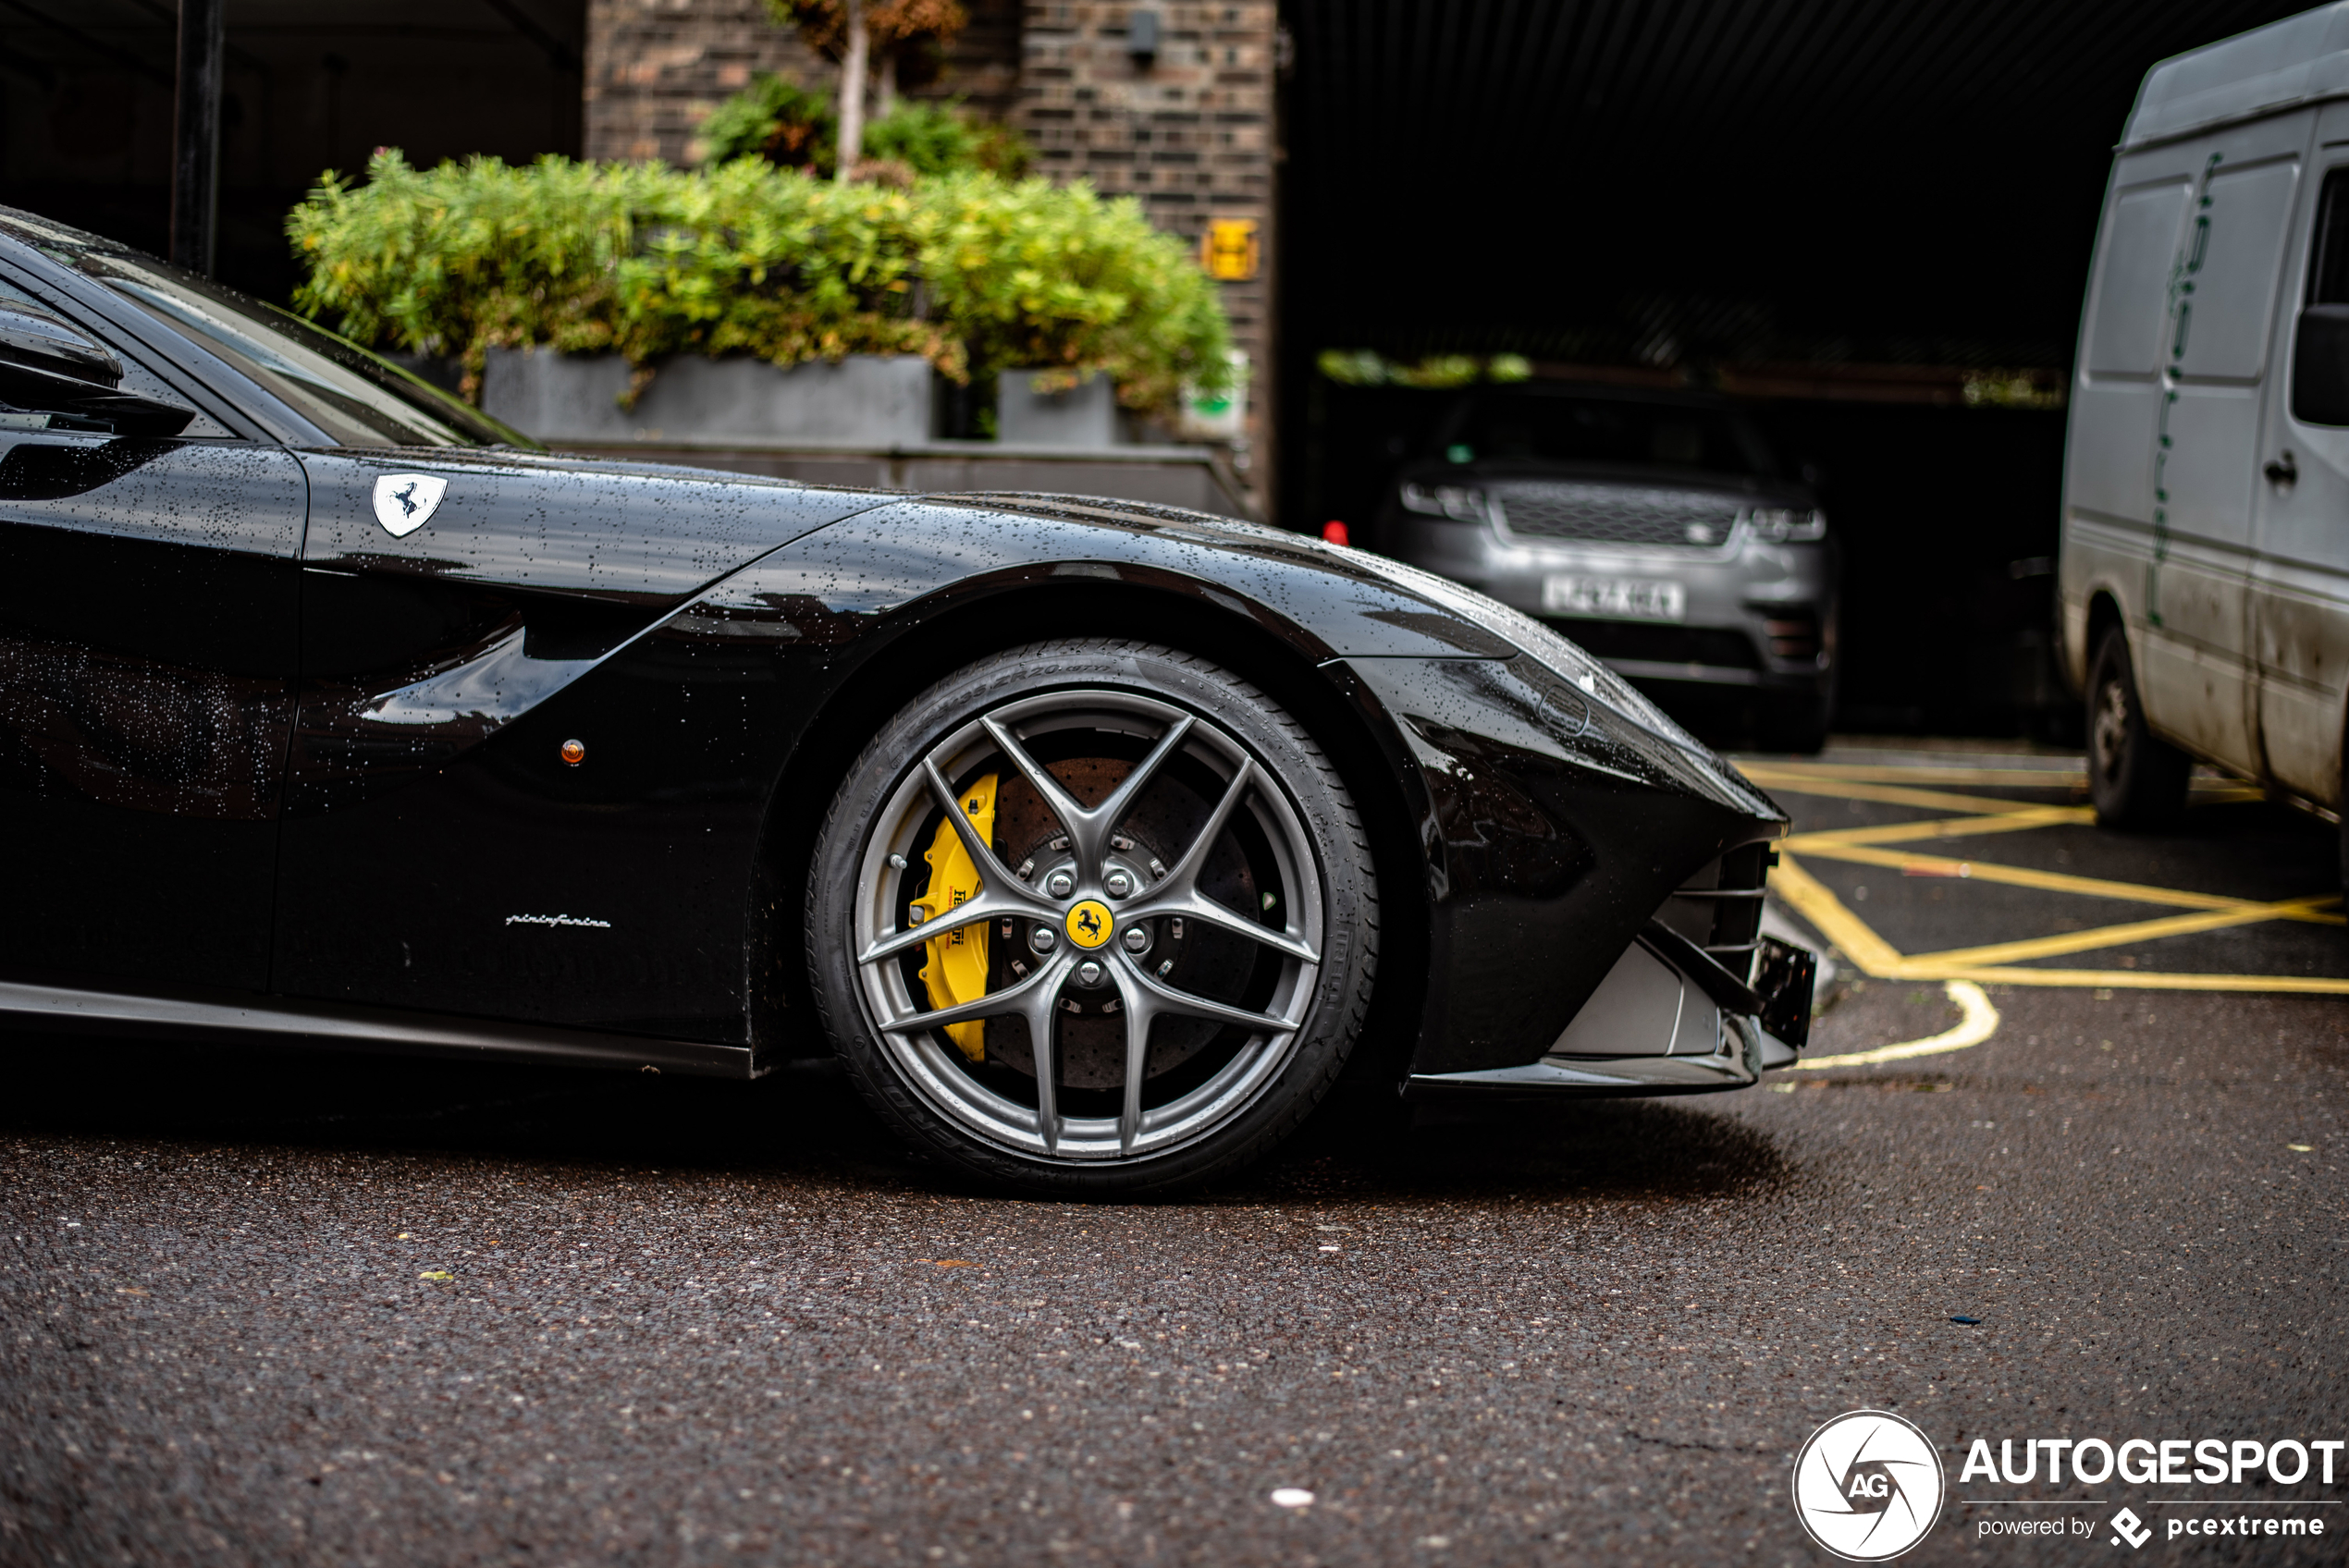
(306, 1310)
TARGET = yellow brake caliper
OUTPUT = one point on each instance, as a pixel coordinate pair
(957, 972)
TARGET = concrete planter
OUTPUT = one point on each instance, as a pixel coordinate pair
(865, 399)
(1086, 415)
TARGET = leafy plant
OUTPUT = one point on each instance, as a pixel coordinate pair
(1365, 367)
(976, 273)
(933, 139)
(792, 127)
(776, 121)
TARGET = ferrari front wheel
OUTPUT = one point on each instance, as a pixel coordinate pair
(1092, 917)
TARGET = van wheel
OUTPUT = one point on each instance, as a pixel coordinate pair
(2135, 779)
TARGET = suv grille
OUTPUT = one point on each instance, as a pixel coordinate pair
(1616, 514)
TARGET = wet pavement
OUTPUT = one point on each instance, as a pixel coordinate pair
(285, 1309)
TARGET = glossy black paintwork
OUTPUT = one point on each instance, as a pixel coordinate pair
(149, 599)
(410, 847)
(427, 772)
(231, 701)
(1553, 828)
(838, 584)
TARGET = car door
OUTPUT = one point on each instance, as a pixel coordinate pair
(148, 633)
(2195, 669)
(2301, 579)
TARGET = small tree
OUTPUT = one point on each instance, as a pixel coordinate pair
(854, 32)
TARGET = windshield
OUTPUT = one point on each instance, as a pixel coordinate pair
(1616, 432)
(357, 399)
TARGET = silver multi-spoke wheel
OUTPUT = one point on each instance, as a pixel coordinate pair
(1088, 923)
(1102, 902)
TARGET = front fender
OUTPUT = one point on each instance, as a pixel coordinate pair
(1551, 829)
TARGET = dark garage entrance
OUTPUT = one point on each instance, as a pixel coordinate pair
(1870, 222)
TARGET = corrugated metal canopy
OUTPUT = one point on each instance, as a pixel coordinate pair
(1667, 181)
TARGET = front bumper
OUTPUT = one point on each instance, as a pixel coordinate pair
(1746, 602)
(1631, 1009)
(1557, 831)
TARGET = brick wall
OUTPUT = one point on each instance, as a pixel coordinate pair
(1190, 134)
(656, 67)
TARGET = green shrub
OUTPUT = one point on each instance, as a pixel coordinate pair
(933, 138)
(792, 127)
(773, 120)
(976, 273)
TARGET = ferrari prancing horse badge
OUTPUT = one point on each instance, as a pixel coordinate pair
(404, 502)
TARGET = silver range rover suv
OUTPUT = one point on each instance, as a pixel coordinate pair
(1654, 530)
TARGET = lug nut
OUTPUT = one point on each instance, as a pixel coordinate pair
(1044, 938)
(1088, 973)
(1119, 883)
(1136, 938)
(1060, 883)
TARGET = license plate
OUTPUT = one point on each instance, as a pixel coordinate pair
(1620, 598)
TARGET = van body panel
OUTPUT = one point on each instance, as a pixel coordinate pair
(2179, 361)
(2195, 673)
(2301, 59)
(2300, 589)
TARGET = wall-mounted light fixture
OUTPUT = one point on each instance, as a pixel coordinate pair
(1141, 36)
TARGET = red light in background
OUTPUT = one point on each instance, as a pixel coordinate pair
(1335, 532)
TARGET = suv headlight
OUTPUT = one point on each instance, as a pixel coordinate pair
(1459, 502)
(1787, 525)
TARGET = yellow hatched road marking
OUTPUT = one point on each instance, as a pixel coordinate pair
(2062, 882)
(2072, 778)
(1796, 780)
(2153, 980)
(1945, 827)
(1996, 962)
(2113, 936)
(1812, 900)
(1879, 960)
(1885, 794)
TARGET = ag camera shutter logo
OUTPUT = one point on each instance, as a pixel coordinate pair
(1868, 1486)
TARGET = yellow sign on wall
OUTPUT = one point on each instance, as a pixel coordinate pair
(1228, 249)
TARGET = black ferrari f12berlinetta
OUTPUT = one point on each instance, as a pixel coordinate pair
(1095, 839)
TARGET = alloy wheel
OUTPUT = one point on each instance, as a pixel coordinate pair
(1123, 898)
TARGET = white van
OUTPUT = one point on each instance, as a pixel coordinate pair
(2204, 577)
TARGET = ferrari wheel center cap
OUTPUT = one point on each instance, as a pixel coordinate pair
(1088, 923)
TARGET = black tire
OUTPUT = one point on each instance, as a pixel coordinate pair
(1309, 849)
(2136, 780)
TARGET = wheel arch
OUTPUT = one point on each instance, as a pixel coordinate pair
(2104, 612)
(903, 659)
